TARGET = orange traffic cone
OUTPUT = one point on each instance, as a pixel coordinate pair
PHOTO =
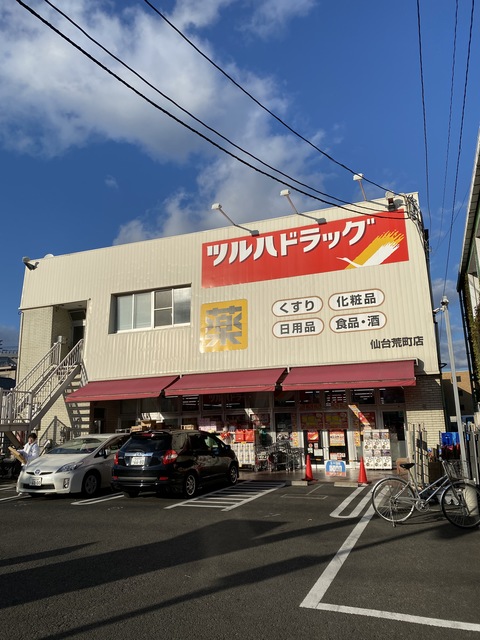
(362, 476)
(308, 470)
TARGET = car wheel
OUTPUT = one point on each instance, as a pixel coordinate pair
(232, 475)
(91, 484)
(131, 493)
(190, 485)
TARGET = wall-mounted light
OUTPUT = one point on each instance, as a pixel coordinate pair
(218, 207)
(358, 177)
(286, 194)
(31, 266)
(390, 196)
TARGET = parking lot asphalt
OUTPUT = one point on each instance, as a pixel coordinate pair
(297, 561)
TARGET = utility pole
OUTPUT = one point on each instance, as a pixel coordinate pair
(461, 436)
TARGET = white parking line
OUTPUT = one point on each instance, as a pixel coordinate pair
(401, 617)
(358, 509)
(82, 503)
(232, 497)
(313, 599)
(8, 487)
(17, 496)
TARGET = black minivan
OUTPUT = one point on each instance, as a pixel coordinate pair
(176, 459)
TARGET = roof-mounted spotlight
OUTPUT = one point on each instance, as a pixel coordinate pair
(358, 177)
(31, 266)
(286, 194)
(218, 207)
(390, 196)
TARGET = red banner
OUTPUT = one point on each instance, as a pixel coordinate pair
(350, 243)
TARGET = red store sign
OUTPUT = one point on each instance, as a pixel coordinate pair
(350, 243)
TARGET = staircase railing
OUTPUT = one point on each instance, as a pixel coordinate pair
(27, 405)
(50, 360)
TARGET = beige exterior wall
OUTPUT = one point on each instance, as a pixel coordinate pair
(96, 276)
(424, 408)
(91, 280)
(36, 338)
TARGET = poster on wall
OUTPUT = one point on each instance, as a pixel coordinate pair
(337, 438)
(336, 420)
(311, 421)
(377, 453)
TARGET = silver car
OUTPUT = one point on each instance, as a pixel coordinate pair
(81, 465)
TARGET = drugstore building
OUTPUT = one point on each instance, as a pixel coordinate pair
(313, 328)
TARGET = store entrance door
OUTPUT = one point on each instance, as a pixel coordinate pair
(313, 444)
(394, 421)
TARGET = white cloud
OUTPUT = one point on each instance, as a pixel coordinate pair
(54, 99)
(133, 231)
(271, 17)
(111, 182)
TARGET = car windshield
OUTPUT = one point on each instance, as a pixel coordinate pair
(76, 446)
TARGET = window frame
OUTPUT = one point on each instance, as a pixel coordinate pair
(132, 308)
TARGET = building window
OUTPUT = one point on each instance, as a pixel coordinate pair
(161, 308)
(363, 396)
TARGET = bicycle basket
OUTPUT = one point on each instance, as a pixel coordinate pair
(455, 469)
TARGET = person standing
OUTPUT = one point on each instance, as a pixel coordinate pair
(31, 450)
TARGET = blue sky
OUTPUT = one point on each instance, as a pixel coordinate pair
(87, 163)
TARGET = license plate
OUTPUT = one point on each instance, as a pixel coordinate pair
(35, 482)
(138, 461)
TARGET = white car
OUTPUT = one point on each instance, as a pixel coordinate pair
(81, 465)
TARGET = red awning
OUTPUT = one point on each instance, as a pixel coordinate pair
(227, 382)
(371, 375)
(121, 389)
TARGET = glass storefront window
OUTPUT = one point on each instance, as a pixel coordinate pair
(234, 401)
(260, 399)
(169, 405)
(189, 422)
(149, 405)
(169, 423)
(283, 425)
(190, 403)
(128, 406)
(392, 395)
(363, 396)
(260, 419)
(284, 398)
(212, 402)
(335, 398)
(211, 423)
(237, 421)
(310, 398)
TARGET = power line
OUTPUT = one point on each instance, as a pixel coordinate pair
(262, 106)
(149, 84)
(447, 154)
(424, 110)
(176, 119)
(460, 141)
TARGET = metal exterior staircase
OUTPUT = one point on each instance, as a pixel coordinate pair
(22, 408)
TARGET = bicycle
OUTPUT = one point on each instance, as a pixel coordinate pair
(394, 498)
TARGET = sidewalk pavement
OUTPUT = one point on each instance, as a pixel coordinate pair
(297, 477)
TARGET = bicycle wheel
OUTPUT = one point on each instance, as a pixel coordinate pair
(393, 499)
(461, 504)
